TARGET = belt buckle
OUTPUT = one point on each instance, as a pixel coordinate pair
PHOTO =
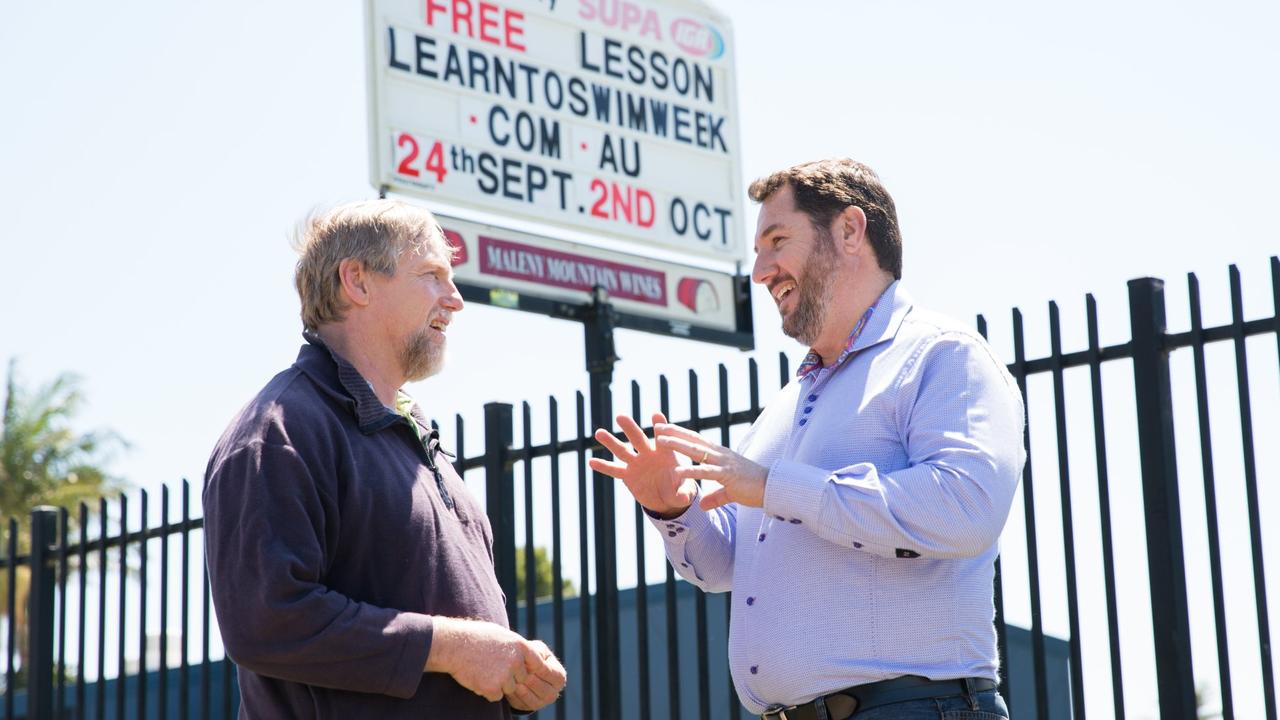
(776, 713)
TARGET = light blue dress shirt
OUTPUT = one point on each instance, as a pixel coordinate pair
(891, 475)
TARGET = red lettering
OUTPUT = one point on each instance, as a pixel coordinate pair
(487, 22)
(461, 14)
(644, 202)
(511, 17)
(406, 165)
(432, 7)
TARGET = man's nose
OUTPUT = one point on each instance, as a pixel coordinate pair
(453, 299)
(763, 269)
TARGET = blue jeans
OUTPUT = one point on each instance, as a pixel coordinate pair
(989, 706)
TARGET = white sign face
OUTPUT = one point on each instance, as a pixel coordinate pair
(510, 261)
(613, 118)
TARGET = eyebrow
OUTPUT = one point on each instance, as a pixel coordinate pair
(775, 227)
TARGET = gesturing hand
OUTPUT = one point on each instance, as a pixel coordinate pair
(543, 682)
(742, 480)
(649, 472)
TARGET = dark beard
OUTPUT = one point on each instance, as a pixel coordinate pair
(421, 357)
(816, 285)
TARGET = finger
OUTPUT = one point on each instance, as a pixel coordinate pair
(520, 673)
(701, 472)
(524, 699)
(608, 467)
(540, 688)
(691, 450)
(684, 433)
(614, 445)
(715, 499)
(659, 419)
(634, 433)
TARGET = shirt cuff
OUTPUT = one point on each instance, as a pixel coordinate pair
(794, 491)
(676, 530)
(416, 631)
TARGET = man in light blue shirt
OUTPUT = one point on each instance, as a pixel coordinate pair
(858, 521)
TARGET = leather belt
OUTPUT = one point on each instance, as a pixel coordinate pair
(843, 704)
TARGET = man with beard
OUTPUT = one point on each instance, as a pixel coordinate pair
(857, 523)
(351, 571)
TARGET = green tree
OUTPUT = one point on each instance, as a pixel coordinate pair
(44, 461)
(542, 569)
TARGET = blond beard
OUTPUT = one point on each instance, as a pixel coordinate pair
(421, 357)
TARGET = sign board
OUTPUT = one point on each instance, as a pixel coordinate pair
(511, 264)
(607, 118)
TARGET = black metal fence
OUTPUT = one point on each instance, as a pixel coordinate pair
(93, 582)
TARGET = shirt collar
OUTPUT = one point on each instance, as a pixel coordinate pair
(371, 415)
(879, 323)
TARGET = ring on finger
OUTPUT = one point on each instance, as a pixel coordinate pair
(703, 461)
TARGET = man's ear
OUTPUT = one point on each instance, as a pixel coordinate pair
(354, 278)
(850, 229)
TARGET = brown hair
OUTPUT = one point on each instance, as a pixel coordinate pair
(824, 188)
(374, 232)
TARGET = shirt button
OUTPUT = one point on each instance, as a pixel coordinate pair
(795, 521)
(808, 410)
(671, 534)
(857, 545)
(779, 518)
(762, 537)
(684, 565)
(751, 601)
(804, 421)
(755, 669)
(812, 398)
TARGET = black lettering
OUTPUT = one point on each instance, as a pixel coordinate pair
(582, 54)
(658, 111)
(601, 95)
(660, 80)
(636, 119)
(700, 211)
(537, 180)
(716, 138)
(724, 224)
(681, 117)
(556, 99)
(607, 159)
(511, 178)
(504, 76)
(578, 97)
(564, 179)
(391, 51)
(703, 83)
(700, 128)
(631, 168)
(529, 72)
(550, 134)
(680, 70)
(635, 56)
(504, 138)
(487, 163)
(679, 216)
(453, 66)
(422, 54)
(611, 58)
(478, 64)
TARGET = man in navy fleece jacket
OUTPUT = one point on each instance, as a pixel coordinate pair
(351, 571)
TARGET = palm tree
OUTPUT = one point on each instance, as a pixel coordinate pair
(43, 461)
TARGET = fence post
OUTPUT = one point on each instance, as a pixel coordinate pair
(500, 500)
(44, 529)
(1160, 501)
(601, 354)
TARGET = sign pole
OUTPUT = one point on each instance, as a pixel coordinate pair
(598, 323)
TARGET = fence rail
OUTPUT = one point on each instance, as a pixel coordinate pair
(87, 614)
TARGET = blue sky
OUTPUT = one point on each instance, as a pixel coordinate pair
(155, 156)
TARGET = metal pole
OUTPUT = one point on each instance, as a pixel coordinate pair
(598, 324)
(44, 528)
(1175, 681)
(500, 488)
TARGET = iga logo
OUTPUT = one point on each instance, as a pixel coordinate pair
(697, 39)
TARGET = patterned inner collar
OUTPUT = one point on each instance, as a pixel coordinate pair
(813, 361)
